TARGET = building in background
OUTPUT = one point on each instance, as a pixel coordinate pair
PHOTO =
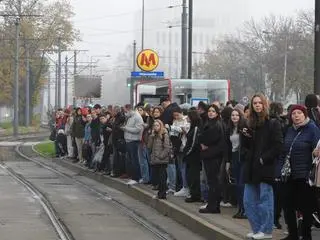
(163, 29)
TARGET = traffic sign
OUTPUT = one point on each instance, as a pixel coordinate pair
(147, 60)
(147, 74)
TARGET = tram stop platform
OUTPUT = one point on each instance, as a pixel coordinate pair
(209, 226)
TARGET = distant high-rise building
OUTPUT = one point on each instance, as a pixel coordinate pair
(162, 32)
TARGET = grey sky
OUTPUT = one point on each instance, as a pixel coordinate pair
(107, 26)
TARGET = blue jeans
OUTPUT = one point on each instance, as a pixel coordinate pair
(237, 173)
(258, 205)
(182, 170)
(144, 163)
(133, 159)
(171, 173)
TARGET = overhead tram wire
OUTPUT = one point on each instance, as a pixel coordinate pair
(120, 14)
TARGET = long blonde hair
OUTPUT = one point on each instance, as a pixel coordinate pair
(162, 130)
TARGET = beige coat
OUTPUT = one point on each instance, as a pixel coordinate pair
(160, 149)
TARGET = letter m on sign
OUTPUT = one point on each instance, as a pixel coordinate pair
(146, 61)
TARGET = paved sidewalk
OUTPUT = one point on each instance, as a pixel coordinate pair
(210, 226)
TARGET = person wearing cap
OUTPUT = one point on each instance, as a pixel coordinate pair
(303, 136)
(263, 141)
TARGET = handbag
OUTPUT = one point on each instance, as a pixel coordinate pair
(314, 177)
(286, 168)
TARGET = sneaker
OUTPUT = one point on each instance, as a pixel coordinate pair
(250, 235)
(261, 235)
(141, 181)
(226, 205)
(184, 192)
(204, 206)
(132, 182)
(171, 191)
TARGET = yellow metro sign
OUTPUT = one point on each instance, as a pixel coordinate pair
(147, 60)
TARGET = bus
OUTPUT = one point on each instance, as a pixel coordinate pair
(181, 91)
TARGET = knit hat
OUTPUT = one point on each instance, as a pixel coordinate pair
(299, 107)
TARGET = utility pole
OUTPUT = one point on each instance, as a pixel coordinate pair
(285, 68)
(16, 80)
(184, 40)
(74, 76)
(59, 72)
(49, 90)
(66, 83)
(190, 39)
(142, 27)
(56, 88)
(133, 69)
(317, 48)
(27, 113)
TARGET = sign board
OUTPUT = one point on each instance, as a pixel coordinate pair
(147, 60)
(87, 86)
(195, 101)
(147, 74)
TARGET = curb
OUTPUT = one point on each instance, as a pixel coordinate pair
(192, 222)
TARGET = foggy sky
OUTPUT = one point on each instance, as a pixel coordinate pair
(107, 27)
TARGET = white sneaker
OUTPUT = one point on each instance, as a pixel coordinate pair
(184, 192)
(250, 235)
(141, 181)
(132, 182)
(261, 235)
(171, 191)
(226, 205)
(205, 206)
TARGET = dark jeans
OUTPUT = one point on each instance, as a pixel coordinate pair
(133, 160)
(278, 188)
(193, 168)
(105, 163)
(212, 169)
(118, 162)
(237, 173)
(298, 197)
(160, 172)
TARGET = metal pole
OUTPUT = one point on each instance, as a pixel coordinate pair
(56, 88)
(184, 40)
(74, 77)
(142, 27)
(66, 83)
(170, 53)
(317, 48)
(133, 69)
(16, 81)
(49, 90)
(27, 87)
(285, 68)
(190, 39)
(59, 72)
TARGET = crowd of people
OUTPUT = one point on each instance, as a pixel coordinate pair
(257, 157)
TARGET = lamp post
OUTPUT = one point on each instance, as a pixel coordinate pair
(142, 27)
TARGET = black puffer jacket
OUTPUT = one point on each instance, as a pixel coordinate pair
(213, 137)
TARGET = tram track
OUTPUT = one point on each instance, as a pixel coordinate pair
(155, 230)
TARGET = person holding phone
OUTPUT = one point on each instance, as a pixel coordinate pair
(263, 140)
